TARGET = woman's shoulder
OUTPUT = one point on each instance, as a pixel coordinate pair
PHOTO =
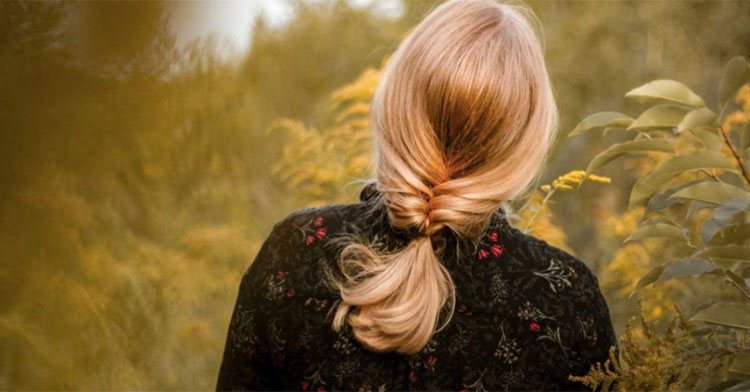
(542, 276)
(300, 247)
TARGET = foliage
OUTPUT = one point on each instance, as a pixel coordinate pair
(693, 214)
(318, 163)
(677, 359)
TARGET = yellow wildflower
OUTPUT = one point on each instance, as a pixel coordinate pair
(602, 179)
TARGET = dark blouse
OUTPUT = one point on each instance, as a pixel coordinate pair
(527, 314)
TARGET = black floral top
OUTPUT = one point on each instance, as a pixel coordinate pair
(527, 314)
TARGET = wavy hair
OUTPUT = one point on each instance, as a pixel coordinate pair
(462, 121)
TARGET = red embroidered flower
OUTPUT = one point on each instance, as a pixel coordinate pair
(431, 361)
(461, 308)
(533, 326)
(321, 389)
(483, 254)
(314, 230)
(412, 376)
(290, 293)
(493, 236)
(305, 385)
(280, 275)
(497, 250)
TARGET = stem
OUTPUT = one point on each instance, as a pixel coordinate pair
(709, 358)
(711, 175)
(536, 213)
(739, 288)
(734, 153)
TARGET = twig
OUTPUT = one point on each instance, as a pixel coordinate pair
(734, 153)
(711, 175)
(739, 288)
(536, 213)
(708, 358)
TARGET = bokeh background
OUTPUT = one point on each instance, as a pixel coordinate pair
(147, 148)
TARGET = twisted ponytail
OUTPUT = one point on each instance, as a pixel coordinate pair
(462, 121)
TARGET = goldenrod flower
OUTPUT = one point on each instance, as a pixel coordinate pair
(602, 179)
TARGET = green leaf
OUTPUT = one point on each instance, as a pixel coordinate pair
(697, 118)
(685, 267)
(659, 117)
(661, 201)
(708, 229)
(649, 278)
(658, 230)
(602, 120)
(710, 139)
(733, 315)
(637, 146)
(731, 234)
(738, 280)
(737, 252)
(712, 192)
(741, 365)
(667, 170)
(666, 90)
(656, 219)
(736, 74)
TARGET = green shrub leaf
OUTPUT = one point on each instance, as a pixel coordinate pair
(658, 230)
(732, 315)
(737, 252)
(736, 74)
(602, 120)
(636, 146)
(659, 117)
(667, 170)
(696, 119)
(665, 90)
(693, 266)
(649, 278)
(730, 235)
(712, 192)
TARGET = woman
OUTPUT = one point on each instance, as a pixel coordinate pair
(424, 284)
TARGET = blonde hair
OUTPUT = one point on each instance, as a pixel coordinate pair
(462, 120)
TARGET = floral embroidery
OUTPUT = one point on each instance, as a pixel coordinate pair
(556, 275)
(499, 289)
(489, 245)
(461, 340)
(318, 304)
(346, 369)
(274, 286)
(588, 330)
(529, 312)
(554, 335)
(477, 385)
(314, 231)
(343, 344)
(461, 308)
(314, 380)
(507, 349)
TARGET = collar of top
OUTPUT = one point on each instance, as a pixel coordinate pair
(369, 191)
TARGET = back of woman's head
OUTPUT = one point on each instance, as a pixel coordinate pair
(462, 120)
